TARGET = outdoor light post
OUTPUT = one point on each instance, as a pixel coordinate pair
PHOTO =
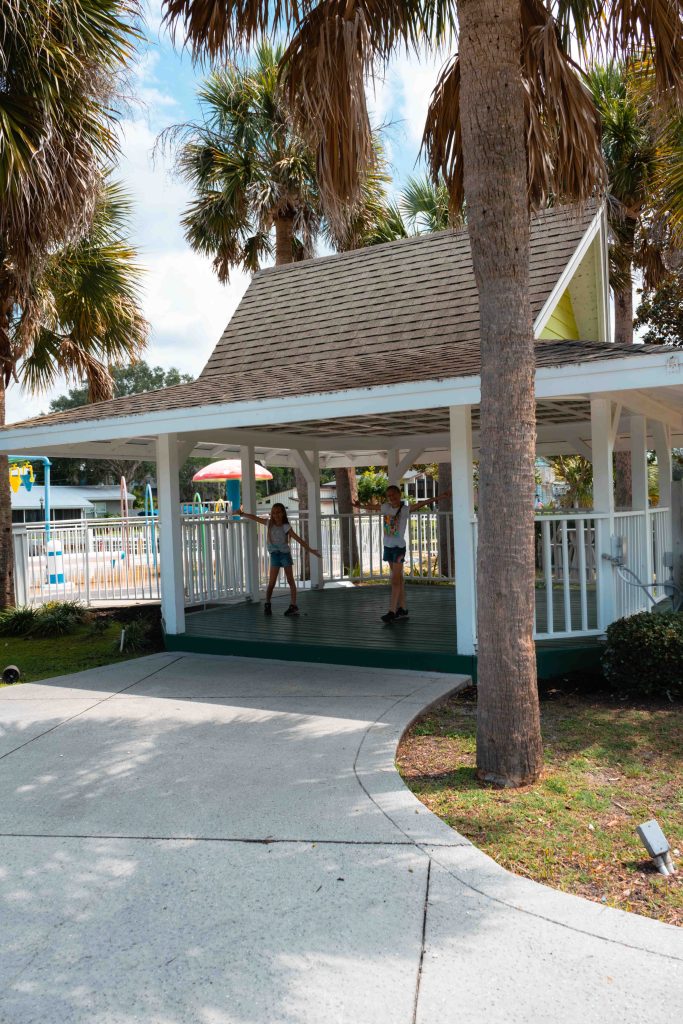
(656, 844)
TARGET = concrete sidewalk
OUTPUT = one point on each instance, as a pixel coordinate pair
(196, 840)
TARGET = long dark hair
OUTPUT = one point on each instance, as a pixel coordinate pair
(278, 504)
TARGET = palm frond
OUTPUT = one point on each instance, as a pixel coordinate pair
(215, 27)
(426, 205)
(563, 127)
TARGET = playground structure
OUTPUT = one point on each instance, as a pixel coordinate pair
(21, 474)
(230, 471)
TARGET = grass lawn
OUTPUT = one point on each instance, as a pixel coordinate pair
(610, 765)
(54, 656)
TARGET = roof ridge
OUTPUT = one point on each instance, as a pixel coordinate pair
(423, 238)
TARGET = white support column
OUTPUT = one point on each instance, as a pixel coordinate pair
(170, 534)
(677, 530)
(463, 530)
(602, 447)
(662, 444)
(250, 534)
(309, 463)
(640, 561)
(392, 466)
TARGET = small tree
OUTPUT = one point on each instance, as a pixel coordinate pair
(661, 313)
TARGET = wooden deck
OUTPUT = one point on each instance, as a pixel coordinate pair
(343, 626)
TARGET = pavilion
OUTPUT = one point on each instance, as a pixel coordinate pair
(371, 358)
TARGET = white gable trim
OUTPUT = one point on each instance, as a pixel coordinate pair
(597, 228)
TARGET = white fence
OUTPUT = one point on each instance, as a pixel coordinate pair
(110, 560)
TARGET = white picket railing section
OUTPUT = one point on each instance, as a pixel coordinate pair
(95, 560)
(110, 560)
(566, 578)
(662, 548)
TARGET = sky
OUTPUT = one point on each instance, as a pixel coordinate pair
(182, 299)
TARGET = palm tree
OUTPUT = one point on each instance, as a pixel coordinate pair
(59, 65)
(513, 102)
(638, 143)
(252, 175)
(641, 144)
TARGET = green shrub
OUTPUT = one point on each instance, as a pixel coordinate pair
(138, 636)
(17, 621)
(644, 654)
(58, 618)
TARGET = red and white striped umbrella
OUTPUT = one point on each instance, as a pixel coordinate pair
(228, 469)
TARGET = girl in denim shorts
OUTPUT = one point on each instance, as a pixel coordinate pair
(395, 515)
(279, 534)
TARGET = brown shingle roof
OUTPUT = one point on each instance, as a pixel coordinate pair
(400, 312)
(396, 299)
(430, 363)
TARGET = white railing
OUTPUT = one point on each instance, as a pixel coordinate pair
(633, 529)
(213, 558)
(648, 542)
(662, 548)
(118, 560)
(362, 536)
(100, 560)
(566, 577)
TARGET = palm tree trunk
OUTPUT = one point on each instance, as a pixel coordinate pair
(446, 555)
(6, 550)
(347, 493)
(302, 493)
(284, 236)
(623, 315)
(509, 750)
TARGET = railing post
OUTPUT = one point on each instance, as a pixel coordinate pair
(21, 565)
(86, 552)
(603, 501)
(463, 534)
(170, 540)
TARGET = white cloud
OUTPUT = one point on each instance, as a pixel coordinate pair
(400, 100)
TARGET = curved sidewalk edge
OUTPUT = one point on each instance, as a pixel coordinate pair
(377, 774)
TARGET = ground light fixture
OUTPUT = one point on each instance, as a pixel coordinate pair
(11, 674)
(655, 842)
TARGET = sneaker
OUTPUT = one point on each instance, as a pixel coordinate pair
(292, 610)
(401, 613)
(267, 608)
(389, 617)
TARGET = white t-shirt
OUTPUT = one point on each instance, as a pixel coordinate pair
(277, 538)
(394, 525)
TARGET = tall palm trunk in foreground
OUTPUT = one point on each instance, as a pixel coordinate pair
(6, 551)
(495, 178)
(347, 493)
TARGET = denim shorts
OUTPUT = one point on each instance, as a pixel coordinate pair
(394, 554)
(280, 559)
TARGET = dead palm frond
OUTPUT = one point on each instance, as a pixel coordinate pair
(563, 127)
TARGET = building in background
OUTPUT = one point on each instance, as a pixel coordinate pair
(90, 501)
